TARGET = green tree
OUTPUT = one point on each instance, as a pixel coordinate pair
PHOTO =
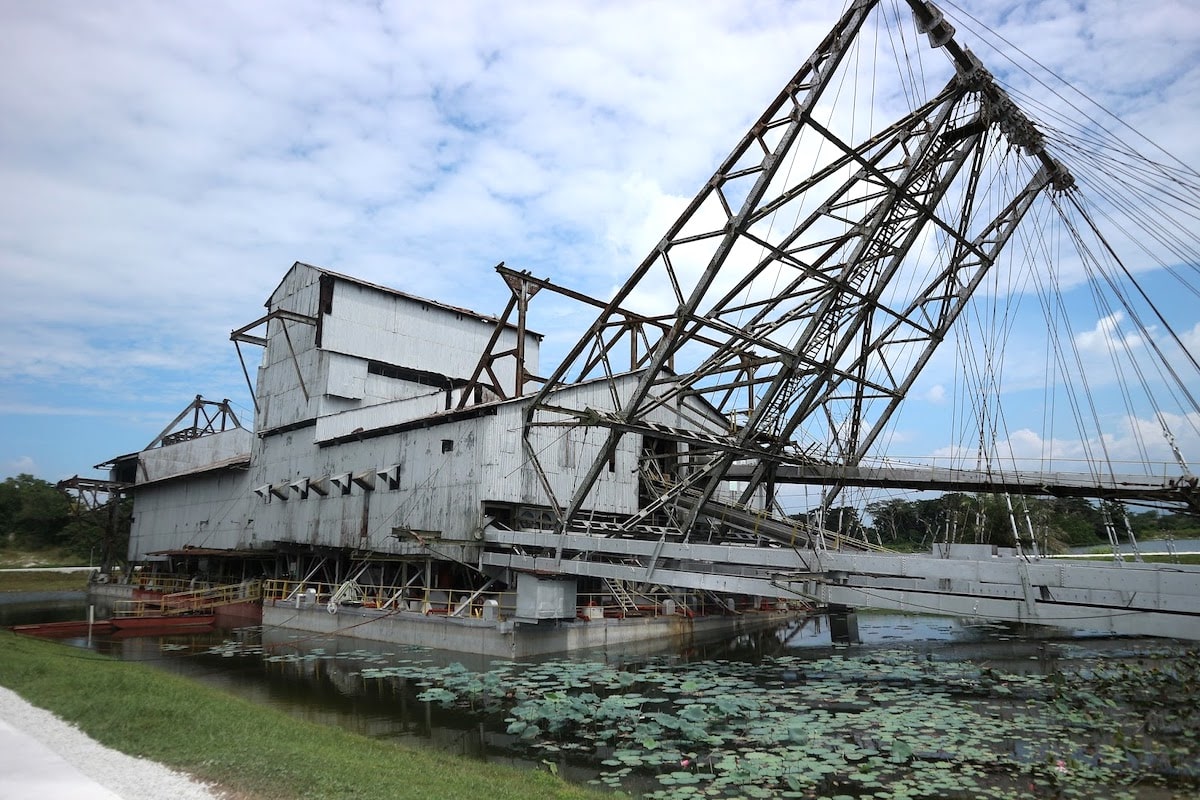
(986, 519)
(33, 512)
(896, 523)
(1076, 521)
(101, 534)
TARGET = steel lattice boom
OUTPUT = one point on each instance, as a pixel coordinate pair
(802, 301)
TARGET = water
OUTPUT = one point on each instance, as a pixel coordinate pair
(27, 608)
(316, 677)
(321, 678)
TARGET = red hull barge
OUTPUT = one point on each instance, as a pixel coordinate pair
(64, 629)
(164, 624)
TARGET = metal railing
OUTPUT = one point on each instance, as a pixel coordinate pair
(447, 602)
(503, 605)
(628, 602)
(156, 582)
(190, 602)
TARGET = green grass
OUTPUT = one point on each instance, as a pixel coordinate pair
(254, 752)
(1151, 558)
(1166, 559)
(43, 581)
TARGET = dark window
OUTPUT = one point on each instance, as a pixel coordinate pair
(447, 445)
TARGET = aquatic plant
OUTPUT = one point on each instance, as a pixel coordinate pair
(885, 725)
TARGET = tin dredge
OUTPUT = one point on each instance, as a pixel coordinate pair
(410, 478)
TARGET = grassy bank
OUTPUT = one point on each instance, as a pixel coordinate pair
(1149, 558)
(43, 581)
(17, 558)
(1163, 558)
(255, 753)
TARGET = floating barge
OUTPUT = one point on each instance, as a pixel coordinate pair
(119, 625)
(155, 610)
(178, 623)
(508, 625)
(64, 630)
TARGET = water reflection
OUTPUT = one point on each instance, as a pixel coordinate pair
(21, 609)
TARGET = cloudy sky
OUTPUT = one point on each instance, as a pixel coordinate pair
(165, 163)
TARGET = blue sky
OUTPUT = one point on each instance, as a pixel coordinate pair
(164, 164)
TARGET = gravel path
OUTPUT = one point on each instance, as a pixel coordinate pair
(43, 757)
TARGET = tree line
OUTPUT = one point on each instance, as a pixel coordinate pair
(36, 516)
(1055, 524)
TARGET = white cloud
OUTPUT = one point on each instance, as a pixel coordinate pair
(163, 164)
(1191, 340)
(1107, 337)
(1129, 445)
(18, 466)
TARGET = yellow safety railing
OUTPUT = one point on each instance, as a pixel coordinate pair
(190, 602)
(156, 582)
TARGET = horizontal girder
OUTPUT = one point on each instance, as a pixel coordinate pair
(1148, 599)
(1055, 484)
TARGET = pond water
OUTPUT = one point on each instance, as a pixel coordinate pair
(1157, 546)
(923, 707)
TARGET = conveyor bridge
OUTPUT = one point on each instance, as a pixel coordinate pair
(967, 581)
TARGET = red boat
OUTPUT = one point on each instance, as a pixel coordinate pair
(163, 623)
(72, 628)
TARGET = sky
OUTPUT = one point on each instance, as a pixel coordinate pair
(165, 163)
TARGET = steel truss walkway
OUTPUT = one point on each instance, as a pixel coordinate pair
(1127, 598)
(1181, 490)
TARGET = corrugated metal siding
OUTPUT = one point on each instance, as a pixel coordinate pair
(397, 330)
(202, 511)
(378, 416)
(347, 377)
(436, 490)
(563, 453)
(174, 459)
(281, 398)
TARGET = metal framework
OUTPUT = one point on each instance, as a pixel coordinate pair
(90, 494)
(637, 330)
(207, 417)
(243, 334)
(797, 332)
(523, 287)
(1143, 599)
